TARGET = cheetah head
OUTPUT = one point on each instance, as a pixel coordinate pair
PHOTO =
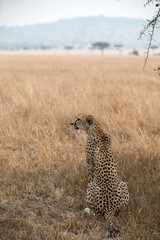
(84, 122)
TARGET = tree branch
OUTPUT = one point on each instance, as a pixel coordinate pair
(148, 2)
(150, 29)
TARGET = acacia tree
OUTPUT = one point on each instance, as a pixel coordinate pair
(153, 48)
(150, 27)
(118, 47)
(68, 47)
(101, 46)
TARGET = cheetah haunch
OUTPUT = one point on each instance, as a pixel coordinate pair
(105, 193)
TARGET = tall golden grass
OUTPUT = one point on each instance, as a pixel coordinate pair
(43, 173)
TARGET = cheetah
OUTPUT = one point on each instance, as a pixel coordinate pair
(105, 193)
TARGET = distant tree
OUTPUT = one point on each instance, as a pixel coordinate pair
(135, 52)
(44, 47)
(25, 48)
(118, 47)
(101, 46)
(68, 48)
(153, 48)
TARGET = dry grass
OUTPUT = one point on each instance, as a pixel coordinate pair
(43, 173)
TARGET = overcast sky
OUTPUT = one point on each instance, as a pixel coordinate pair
(23, 12)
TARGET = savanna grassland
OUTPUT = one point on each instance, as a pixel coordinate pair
(43, 174)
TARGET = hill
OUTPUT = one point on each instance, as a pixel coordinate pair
(79, 32)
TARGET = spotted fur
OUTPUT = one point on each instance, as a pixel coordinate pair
(105, 193)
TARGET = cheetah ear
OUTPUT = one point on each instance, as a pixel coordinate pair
(89, 120)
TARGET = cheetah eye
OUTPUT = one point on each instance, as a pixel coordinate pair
(89, 120)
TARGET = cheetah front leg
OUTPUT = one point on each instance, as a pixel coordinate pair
(90, 165)
(90, 198)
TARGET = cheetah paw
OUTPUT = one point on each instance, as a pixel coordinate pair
(87, 211)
